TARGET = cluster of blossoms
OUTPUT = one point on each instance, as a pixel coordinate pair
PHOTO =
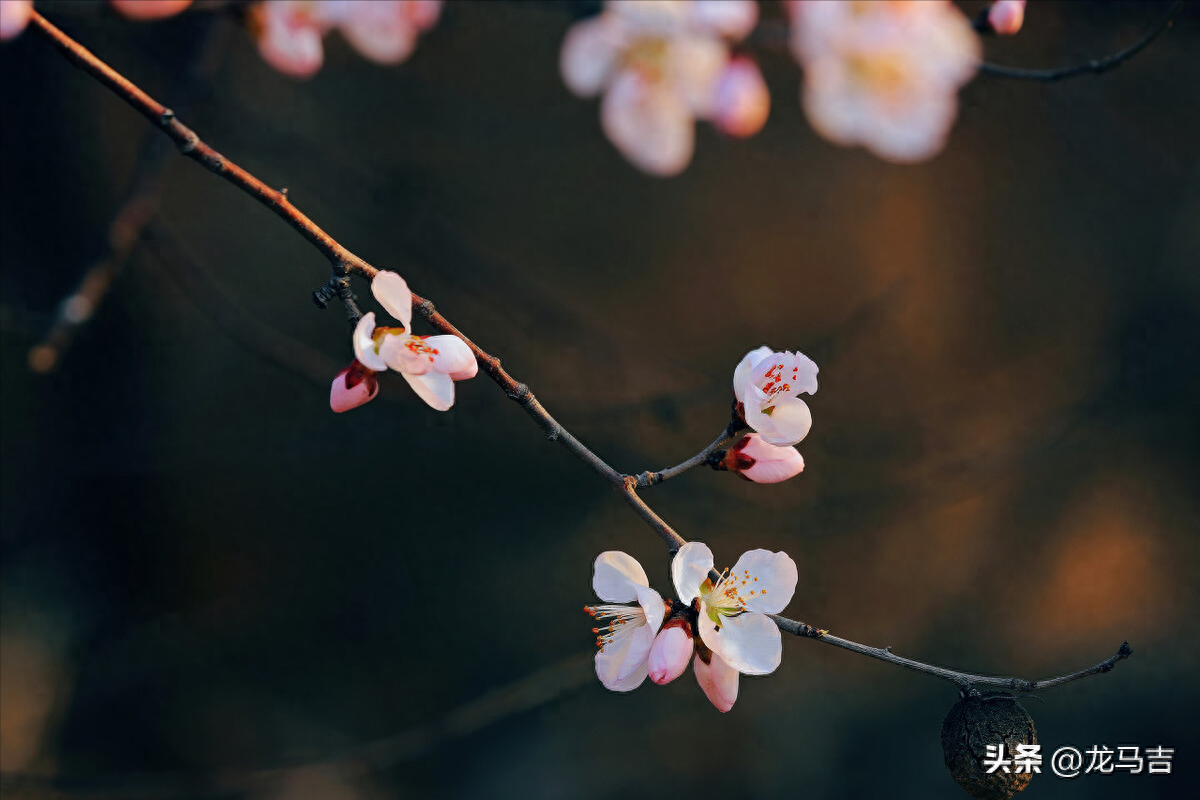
(290, 32)
(661, 65)
(722, 623)
(430, 364)
(883, 74)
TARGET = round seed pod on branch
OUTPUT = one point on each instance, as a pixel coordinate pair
(976, 722)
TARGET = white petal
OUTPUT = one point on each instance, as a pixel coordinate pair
(636, 654)
(406, 354)
(750, 642)
(652, 606)
(718, 680)
(364, 345)
(615, 576)
(695, 64)
(791, 421)
(650, 124)
(589, 54)
(733, 19)
(803, 373)
(379, 29)
(742, 373)
(453, 357)
(606, 670)
(435, 388)
(775, 584)
(392, 293)
(690, 568)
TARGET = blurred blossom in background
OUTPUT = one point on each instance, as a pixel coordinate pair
(213, 586)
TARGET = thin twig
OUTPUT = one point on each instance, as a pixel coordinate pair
(652, 478)
(344, 261)
(1093, 67)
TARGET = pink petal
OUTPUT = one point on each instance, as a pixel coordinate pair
(453, 357)
(149, 9)
(758, 461)
(353, 386)
(649, 123)
(733, 19)
(393, 294)
(291, 38)
(743, 102)
(589, 54)
(672, 649)
(379, 29)
(718, 680)
(14, 16)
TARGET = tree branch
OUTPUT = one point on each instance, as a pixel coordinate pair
(343, 261)
(1093, 67)
(652, 478)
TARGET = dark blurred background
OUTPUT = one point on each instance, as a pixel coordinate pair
(212, 586)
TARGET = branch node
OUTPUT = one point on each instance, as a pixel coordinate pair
(425, 309)
(520, 393)
(166, 116)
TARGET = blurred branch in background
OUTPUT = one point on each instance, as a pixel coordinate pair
(1096, 66)
(138, 207)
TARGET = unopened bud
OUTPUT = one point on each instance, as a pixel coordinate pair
(353, 386)
(755, 460)
(672, 649)
(1006, 16)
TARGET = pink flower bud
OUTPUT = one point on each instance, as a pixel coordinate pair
(149, 9)
(718, 680)
(742, 100)
(14, 16)
(755, 460)
(1006, 16)
(671, 651)
(352, 387)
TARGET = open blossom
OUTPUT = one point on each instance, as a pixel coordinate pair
(1006, 16)
(765, 384)
(628, 633)
(430, 364)
(883, 75)
(14, 16)
(385, 31)
(149, 9)
(732, 623)
(755, 460)
(661, 65)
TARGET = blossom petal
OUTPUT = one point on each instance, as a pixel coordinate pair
(749, 642)
(637, 652)
(791, 421)
(771, 576)
(690, 568)
(733, 19)
(291, 39)
(405, 353)
(652, 606)
(435, 388)
(649, 123)
(610, 662)
(343, 396)
(364, 344)
(453, 357)
(744, 369)
(379, 29)
(718, 680)
(393, 294)
(696, 64)
(589, 54)
(743, 101)
(616, 575)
